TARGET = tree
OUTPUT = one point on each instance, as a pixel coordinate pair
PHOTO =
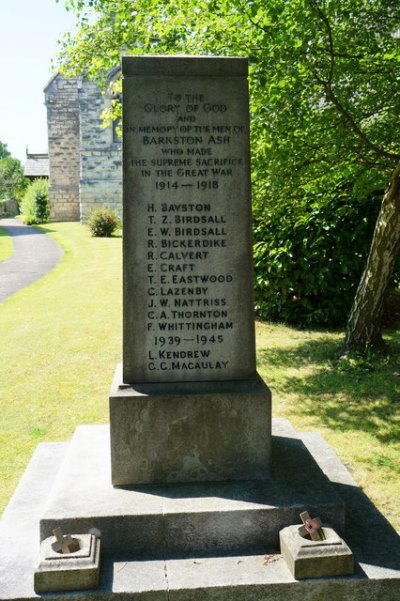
(324, 101)
(12, 180)
(4, 152)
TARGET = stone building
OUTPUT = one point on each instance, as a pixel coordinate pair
(36, 165)
(85, 160)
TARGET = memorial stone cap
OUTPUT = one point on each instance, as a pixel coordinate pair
(176, 66)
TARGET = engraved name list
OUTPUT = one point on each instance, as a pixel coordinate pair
(186, 202)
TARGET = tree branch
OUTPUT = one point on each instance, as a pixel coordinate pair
(392, 193)
(328, 28)
(331, 96)
(353, 125)
(252, 21)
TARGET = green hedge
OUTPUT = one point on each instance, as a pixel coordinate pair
(309, 256)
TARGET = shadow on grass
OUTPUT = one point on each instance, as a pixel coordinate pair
(345, 396)
(46, 228)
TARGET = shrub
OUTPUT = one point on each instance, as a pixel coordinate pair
(103, 222)
(309, 256)
(35, 207)
(12, 181)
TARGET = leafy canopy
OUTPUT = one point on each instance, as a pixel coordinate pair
(324, 73)
(324, 77)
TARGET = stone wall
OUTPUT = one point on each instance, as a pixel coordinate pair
(61, 99)
(8, 208)
(101, 157)
(85, 161)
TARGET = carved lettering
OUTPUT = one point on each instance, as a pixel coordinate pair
(189, 162)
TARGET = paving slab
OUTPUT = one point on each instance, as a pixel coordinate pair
(35, 254)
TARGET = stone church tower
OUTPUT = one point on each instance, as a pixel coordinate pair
(85, 159)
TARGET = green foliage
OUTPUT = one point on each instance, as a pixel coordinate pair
(4, 152)
(324, 113)
(35, 207)
(103, 222)
(323, 74)
(12, 181)
(309, 256)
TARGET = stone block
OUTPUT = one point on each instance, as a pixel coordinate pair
(308, 558)
(193, 518)
(188, 310)
(78, 570)
(200, 431)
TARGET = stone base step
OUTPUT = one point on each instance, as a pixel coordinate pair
(237, 577)
(199, 519)
(244, 578)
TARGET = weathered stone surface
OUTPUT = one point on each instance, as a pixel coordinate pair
(189, 432)
(69, 571)
(100, 154)
(307, 558)
(236, 577)
(196, 518)
(188, 286)
(85, 158)
(61, 99)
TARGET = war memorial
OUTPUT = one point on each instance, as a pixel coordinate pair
(192, 491)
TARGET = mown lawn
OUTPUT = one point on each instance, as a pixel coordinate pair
(6, 245)
(355, 405)
(61, 340)
(60, 343)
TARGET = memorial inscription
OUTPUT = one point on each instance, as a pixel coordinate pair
(187, 224)
(189, 405)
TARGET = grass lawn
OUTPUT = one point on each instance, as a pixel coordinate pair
(61, 341)
(354, 405)
(6, 245)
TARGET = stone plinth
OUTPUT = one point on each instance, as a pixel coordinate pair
(315, 559)
(194, 408)
(70, 571)
(196, 519)
(217, 575)
(184, 432)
